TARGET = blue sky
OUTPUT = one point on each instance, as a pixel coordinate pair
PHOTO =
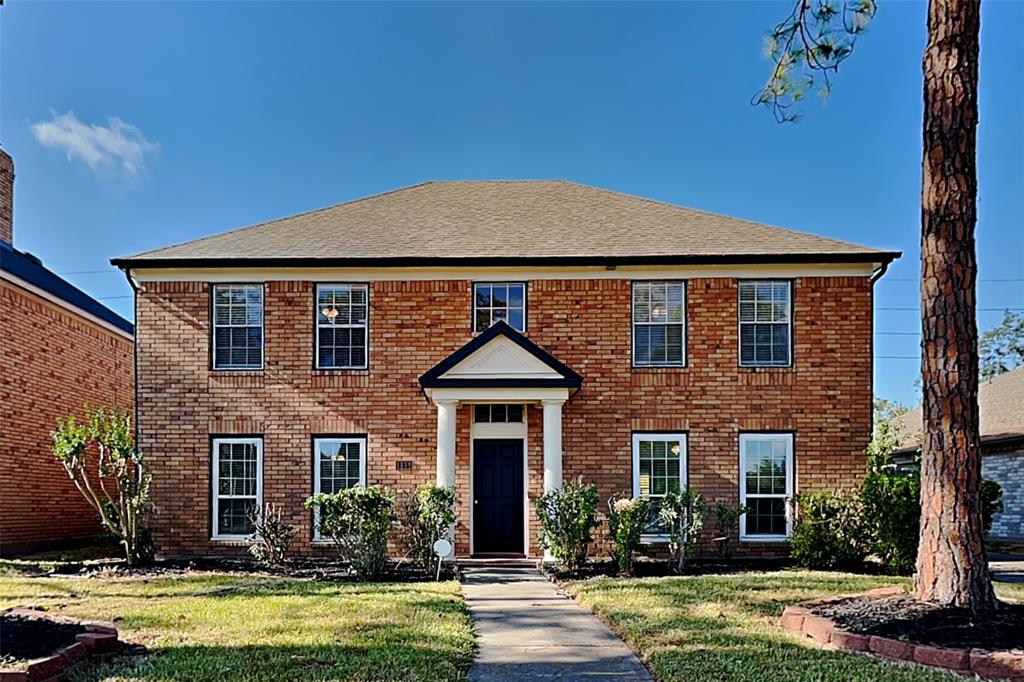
(189, 119)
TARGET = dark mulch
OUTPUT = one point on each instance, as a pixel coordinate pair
(905, 618)
(653, 568)
(312, 569)
(24, 638)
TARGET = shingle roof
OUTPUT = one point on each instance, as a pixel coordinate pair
(503, 221)
(31, 270)
(1001, 404)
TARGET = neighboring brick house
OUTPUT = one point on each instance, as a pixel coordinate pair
(1001, 406)
(499, 337)
(61, 348)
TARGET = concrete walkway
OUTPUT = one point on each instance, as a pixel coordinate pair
(526, 630)
(1007, 568)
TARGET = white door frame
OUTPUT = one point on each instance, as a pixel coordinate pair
(503, 431)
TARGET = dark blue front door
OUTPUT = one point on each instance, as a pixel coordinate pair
(497, 496)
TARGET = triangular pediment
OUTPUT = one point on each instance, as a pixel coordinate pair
(500, 356)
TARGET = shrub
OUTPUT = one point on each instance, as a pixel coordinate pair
(682, 512)
(358, 521)
(991, 502)
(273, 536)
(627, 519)
(119, 490)
(566, 518)
(827, 531)
(427, 516)
(727, 523)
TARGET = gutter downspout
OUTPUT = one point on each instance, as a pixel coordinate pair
(135, 347)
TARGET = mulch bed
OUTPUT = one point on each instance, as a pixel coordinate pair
(905, 618)
(24, 638)
(653, 568)
(310, 569)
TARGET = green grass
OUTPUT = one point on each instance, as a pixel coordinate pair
(251, 627)
(723, 627)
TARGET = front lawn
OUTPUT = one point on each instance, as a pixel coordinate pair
(257, 627)
(723, 627)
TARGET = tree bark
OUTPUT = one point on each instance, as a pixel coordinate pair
(951, 565)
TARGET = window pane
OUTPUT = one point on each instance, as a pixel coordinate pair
(499, 295)
(515, 413)
(642, 344)
(766, 516)
(233, 517)
(515, 319)
(483, 295)
(483, 319)
(515, 295)
(674, 345)
(482, 413)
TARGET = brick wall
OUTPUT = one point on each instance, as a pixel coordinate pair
(53, 361)
(825, 398)
(1007, 469)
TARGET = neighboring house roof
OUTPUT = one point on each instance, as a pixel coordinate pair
(486, 363)
(29, 269)
(1001, 406)
(504, 222)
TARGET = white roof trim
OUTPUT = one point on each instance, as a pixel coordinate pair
(61, 303)
(501, 358)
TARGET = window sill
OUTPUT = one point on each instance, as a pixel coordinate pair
(233, 540)
(773, 539)
(659, 368)
(767, 368)
(654, 539)
(252, 372)
(328, 371)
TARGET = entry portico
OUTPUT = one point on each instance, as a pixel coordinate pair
(500, 367)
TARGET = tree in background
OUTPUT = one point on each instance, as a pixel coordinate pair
(1002, 348)
(812, 41)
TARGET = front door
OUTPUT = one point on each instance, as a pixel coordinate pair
(498, 496)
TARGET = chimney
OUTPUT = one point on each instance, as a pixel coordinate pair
(6, 197)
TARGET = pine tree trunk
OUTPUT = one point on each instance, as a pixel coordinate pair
(951, 563)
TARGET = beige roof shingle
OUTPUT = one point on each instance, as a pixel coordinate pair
(497, 221)
(1001, 406)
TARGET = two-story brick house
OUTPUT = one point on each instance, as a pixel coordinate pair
(499, 337)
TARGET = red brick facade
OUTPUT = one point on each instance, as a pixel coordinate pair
(824, 398)
(53, 361)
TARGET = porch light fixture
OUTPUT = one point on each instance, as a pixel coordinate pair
(330, 313)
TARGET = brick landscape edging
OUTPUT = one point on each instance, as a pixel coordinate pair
(799, 620)
(97, 642)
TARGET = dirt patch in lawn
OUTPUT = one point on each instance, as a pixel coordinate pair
(23, 638)
(907, 619)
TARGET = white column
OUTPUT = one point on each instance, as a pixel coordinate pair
(552, 444)
(446, 442)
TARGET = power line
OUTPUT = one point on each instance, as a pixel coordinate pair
(984, 279)
(107, 298)
(983, 310)
(897, 357)
(90, 272)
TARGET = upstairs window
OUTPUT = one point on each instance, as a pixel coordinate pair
(659, 324)
(766, 483)
(765, 323)
(494, 301)
(342, 326)
(238, 326)
(237, 486)
(659, 467)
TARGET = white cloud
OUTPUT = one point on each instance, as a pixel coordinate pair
(118, 144)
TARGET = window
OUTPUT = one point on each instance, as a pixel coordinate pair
(238, 326)
(498, 414)
(659, 324)
(499, 301)
(237, 486)
(338, 463)
(765, 324)
(766, 481)
(659, 466)
(341, 326)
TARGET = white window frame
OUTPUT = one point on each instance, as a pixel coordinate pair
(791, 349)
(657, 436)
(214, 327)
(215, 484)
(633, 323)
(361, 440)
(317, 324)
(762, 437)
(507, 307)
